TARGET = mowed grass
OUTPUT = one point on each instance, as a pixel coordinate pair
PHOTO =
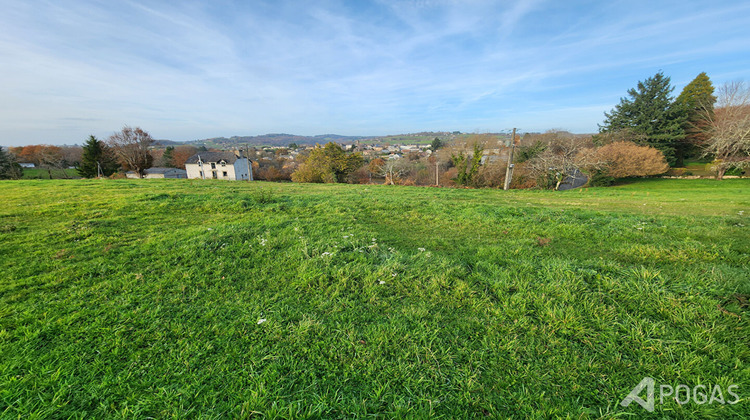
(211, 299)
(38, 173)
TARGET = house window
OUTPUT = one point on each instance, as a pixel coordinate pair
(213, 165)
(225, 174)
(214, 174)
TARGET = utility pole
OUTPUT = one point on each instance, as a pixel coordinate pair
(509, 169)
(249, 165)
(437, 173)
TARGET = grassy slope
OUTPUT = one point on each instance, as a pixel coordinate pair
(38, 173)
(142, 298)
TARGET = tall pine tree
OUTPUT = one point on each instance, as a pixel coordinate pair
(697, 99)
(650, 116)
(97, 157)
(167, 159)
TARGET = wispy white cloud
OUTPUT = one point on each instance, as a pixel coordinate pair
(196, 69)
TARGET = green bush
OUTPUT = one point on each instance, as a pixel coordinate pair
(600, 179)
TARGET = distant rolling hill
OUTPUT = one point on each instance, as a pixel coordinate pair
(274, 140)
(282, 139)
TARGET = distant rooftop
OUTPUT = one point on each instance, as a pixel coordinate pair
(229, 157)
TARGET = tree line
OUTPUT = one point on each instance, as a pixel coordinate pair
(648, 132)
(131, 149)
(695, 124)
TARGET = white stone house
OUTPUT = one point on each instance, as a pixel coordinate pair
(231, 166)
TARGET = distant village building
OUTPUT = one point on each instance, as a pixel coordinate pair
(492, 158)
(153, 173)
(232, 166)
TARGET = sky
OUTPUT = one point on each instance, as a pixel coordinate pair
(187, 70)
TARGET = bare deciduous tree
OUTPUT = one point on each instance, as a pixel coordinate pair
(729, 128)
(181, 155)
(131, 147)
(564, 155)
(393, 169)
(9, 168)
(71, 155)
(51, 157)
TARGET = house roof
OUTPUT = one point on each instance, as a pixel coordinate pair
(163, 170)
(208, 157)
(152, 171)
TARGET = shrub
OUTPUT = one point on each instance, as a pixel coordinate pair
(271, 173)
(328, 164)
(530, 152)
(522, 177)
(492, 174)
(307, 173)
(361, 176)
(600, 179)
(118, 175)
(447, 177)
(467, 166)
(625, 159)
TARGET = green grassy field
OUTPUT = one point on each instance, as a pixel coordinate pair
(38, 173)
(209, 299)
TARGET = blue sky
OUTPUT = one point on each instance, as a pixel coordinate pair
(190, 70)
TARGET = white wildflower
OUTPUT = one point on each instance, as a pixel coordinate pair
(325, 254)
(381, 282)
(346, 236)
(262, 320)
(393, 274)
(421, 249)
